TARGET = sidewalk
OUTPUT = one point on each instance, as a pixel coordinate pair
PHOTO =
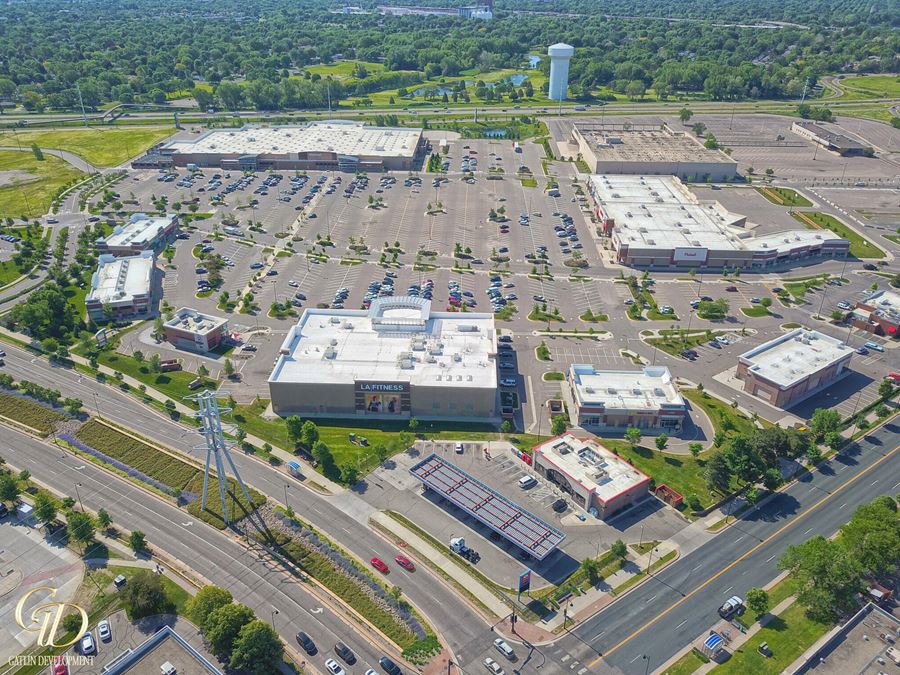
(589, 603)
(487, 596)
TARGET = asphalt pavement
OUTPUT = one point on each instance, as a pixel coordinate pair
(679, 604)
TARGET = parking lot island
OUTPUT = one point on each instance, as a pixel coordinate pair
(398, 359)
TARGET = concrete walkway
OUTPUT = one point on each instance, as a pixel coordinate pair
(78, 162)
(441, 559)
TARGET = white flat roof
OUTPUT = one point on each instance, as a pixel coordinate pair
(795, 356)
(118, 280)
(886, 304)
(597, 469)
(398, 339)
(647, 143)
(649, 389)
(659, 212)
(334, 136)
(188, 319)
(139, 231)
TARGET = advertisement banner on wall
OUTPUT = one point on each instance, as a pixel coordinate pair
(686, 254)
(383, 397)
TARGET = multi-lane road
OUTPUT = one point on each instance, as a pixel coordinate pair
(679, 603)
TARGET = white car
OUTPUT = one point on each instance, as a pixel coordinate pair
(504, 649)
(334, 667)
(87, 644)
(293, 284)
(493, 666)
(104, 631)
(459, 448)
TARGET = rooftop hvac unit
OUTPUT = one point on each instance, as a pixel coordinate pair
(589, 390)
(659, 200)
(457, 357)
(636, 391)
(658, 392)
(628, 214)
(334, 319)
(346, 325)
(330, 353)
(333, 342)
(642, 229)
(611, 390)
(430, 359)
(252, 139)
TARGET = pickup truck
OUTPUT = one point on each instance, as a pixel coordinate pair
(731, 606)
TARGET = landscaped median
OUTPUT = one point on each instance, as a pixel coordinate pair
(783, 196)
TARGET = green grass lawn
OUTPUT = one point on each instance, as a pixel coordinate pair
(873, 86)
(682, 473)
(859, 246)
(755, 311)
(529, 181)
(788, 196)
(342, 69)
(686, 665)
(723, 416)
(789, 634)
(176, 596)
(591, 317)
(779, 592)
(30, 193)
(29, 413)
(336, 433)
(105, 147)
(173, 384)
(9, 271)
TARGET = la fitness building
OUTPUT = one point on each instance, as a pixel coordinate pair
(598, 481)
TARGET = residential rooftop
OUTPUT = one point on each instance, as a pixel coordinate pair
(333, 136)
(189, 319)
(795, 356)
(651, 388)
(121, 279)
(140, 232)
(595, 467)
(645, 143)
(398, 339)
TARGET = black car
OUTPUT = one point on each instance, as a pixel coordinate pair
(870, 266)
(505, 338)
(560, 505)
(306, 642)
(345, 653)
(389, 666)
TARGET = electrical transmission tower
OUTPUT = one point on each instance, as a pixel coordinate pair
(210, 416)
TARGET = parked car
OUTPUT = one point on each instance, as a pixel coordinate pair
(345, 653)
(389, 666)
(103, 630)
(87, 645)
(334, 667)
(874, 346)
(493, 666)
(307, 643)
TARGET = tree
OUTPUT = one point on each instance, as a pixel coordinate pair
(294, 427)
(154, 363)
(505, 427)
(47, 313)
(770, 172)
(349, 474)
(662, 441)
(309, 433)
(413, 424)
(228, 367)
(322, 454)
(619, 549)
(137, 541)
(827, 575)
(633, 436)
(695, 449)
(205, 602)
(837, 315)
(685, 115)
(559, 425)
(144, 595)
(873, 536)
(257, 649)
(718, 473)
(824, 420)
(591, 568)
(81, 526)
(766, 302)
(9, 488)
(834, 440)
(886, 388)
(381, 452)
(224, 624)
(37, 152)
(202, 371)
(104, 520)
(635, 90)
(44, 507)
(757, 601)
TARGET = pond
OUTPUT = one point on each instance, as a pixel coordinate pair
(517, 79)
(440, 90)
(533, 60)
(495, 133)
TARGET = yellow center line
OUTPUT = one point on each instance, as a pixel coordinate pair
(742, 558)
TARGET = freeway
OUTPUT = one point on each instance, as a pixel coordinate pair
(342, 517)
(679, 603)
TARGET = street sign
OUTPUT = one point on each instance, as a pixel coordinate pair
(524, 582)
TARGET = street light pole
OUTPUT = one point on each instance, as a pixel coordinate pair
(286, 497)
(77, 494)
(274, 612)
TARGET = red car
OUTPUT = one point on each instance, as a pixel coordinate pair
(379, 565)
(405, 563)
(59, 666)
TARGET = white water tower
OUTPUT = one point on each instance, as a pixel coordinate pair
(559, 54)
